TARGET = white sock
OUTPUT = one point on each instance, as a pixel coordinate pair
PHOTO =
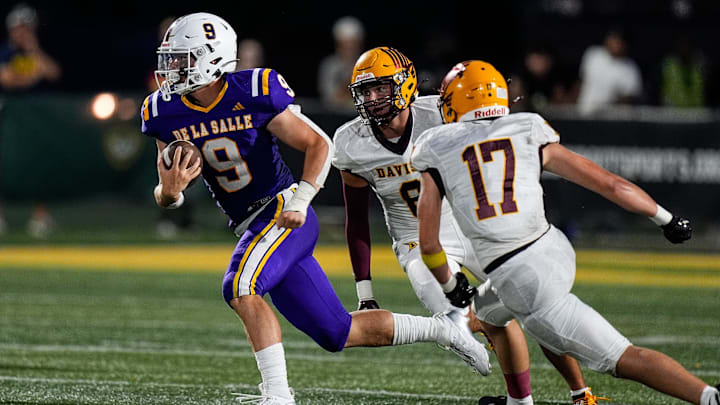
(271, 363)
(710, 396)
(528, 400)
(411, 329)
(578, 392)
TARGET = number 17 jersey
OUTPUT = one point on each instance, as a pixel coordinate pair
(491, 171)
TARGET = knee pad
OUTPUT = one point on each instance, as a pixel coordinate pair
(488, 308)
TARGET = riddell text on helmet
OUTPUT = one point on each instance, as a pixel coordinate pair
(490, 112)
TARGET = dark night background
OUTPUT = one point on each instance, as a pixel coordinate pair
(110, 45)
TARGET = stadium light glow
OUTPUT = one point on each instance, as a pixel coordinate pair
(103, 106)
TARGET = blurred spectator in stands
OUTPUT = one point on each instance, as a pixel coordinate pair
(440, 50)
(335, 70)
(607, 75)
(540, 82)
(250, 54)
(683, 76)
(25, 66)
(23, 62)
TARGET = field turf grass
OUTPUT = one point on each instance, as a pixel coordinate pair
(84, 326)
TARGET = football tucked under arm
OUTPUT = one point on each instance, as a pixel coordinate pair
(179, 166)
(187, 147)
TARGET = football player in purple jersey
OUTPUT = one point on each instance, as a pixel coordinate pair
(234, 119)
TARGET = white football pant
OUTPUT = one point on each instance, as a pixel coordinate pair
(535, 287)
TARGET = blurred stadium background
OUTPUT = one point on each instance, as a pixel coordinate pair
(96, 174)
(74, 147)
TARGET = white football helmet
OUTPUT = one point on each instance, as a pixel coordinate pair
(196, 50)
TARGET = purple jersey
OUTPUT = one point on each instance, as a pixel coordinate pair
(241, 163)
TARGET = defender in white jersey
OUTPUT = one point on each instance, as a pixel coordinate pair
(373, 152)
(487, 164)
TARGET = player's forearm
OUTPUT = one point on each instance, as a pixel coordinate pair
(621, 192)
(357, 230)
(437, 264)
(313, 178)
(433, 255)
(586, 173)
(360, 253)
(316, 145)
(630, 197)
(317, 163)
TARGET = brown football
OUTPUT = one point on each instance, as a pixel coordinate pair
(187, 147)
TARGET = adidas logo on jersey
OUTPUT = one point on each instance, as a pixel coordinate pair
(238, 107)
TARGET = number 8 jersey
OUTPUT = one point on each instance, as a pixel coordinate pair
(242, 166)
(490, 171)
(385, 165)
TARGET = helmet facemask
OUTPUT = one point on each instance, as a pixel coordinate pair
(178, 71)
(388, 102)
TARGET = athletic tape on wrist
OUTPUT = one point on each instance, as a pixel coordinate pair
(300, 201)
(364, 290)
(663, 217)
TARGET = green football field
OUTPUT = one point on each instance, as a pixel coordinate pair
(144, 334)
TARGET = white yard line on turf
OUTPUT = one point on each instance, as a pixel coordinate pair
(363, 392)
(330, 358)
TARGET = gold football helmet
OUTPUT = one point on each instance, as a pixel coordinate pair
(383, 83)
(473, 90)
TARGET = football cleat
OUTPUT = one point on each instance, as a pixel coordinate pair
(587, 398)
(455, 336)
(716, 399)
(264, 398)
(501, 400)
